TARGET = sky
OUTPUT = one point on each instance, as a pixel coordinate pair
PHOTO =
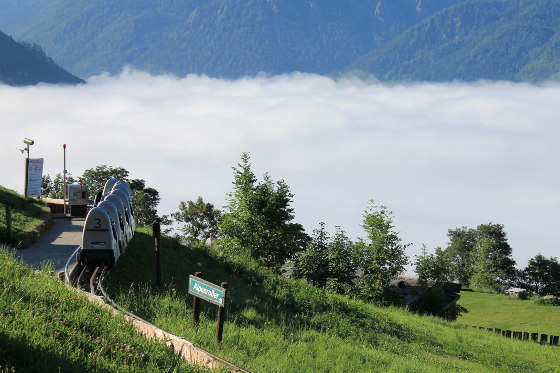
(439, 156)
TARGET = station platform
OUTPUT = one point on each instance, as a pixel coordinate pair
(56, 245)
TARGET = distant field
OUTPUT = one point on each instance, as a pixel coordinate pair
(501, 311)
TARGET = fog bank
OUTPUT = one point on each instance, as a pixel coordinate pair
(440, 156)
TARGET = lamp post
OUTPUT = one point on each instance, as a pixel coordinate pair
(28, 143)
(64, 188)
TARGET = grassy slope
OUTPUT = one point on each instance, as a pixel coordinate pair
(278, 325)
(501, 311)
(46, 327)
(25, 215)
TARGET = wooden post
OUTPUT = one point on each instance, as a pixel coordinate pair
(157, 238)
(221, 316)
(196, 305)
(544, 338)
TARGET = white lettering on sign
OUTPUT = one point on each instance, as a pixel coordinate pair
(208, 292)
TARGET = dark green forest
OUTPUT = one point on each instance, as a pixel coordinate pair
(398, 40)
(26, 64)
(478, 39)
(220, 38)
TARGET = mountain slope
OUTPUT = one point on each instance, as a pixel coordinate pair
(224, 38)
(25, 64)
(481, 39)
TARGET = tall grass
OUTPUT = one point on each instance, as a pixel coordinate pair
(46, 327)
(279, 325)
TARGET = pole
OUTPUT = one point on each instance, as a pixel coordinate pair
(196, 305)
(64, 179)
(157, 238)
(26, 174)
(221, 316)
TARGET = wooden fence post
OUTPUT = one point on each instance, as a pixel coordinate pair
(157, 243)
(221, 316)
(196, 305)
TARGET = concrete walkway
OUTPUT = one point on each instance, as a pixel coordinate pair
(56, 244)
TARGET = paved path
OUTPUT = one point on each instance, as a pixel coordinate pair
(56, 244)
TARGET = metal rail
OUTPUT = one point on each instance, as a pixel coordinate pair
(74, 256)
(108, 300)
(75, 277)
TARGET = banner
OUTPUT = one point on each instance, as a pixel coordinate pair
(34, 177)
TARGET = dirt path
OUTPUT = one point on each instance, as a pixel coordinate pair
(56, 244)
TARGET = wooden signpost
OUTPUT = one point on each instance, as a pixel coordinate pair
(202, 289)
(156, 229)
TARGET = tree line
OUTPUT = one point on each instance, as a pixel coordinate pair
(258, 221)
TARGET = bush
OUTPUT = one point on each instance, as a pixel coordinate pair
(546, 302)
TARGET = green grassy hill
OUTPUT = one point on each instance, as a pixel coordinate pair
(503, 312)
(47, 327)
(26, 214)
(279, 325)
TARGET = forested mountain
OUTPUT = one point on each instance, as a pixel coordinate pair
(224, 38)
(25, 64)
(482, 39)
(393, 39)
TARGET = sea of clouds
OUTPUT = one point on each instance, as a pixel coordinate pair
(440, 156)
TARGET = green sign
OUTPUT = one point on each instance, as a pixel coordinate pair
(207, 290)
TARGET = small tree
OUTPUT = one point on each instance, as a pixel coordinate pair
(462, 254)
(144, 202)
(343, 263)
(485, 274)
(432, 267)
(259, 218)
(198, 218)
(54, 188)
(462, 242)
(381, 255)
(313, 263)
(328, 262)
(542, 275)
